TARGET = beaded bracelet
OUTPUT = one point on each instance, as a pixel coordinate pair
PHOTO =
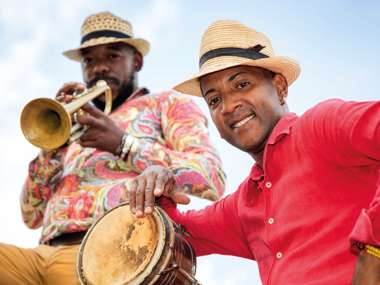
(373, 250)
(120, 147)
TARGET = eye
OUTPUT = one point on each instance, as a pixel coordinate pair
(113, 56)
(213, 102)
(242, 85)
(87, 60)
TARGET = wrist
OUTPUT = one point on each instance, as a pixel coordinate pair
(125, 146)
(119, 148)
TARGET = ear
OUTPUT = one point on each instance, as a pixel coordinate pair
(281, 85)
(138, 62)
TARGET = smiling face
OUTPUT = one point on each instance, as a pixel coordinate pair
(245, 105)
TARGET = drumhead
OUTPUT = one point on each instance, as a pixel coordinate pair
(120, 248)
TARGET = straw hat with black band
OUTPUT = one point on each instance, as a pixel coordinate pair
(228, 43)
(106, 28)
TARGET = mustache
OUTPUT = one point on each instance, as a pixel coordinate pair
(111, 79)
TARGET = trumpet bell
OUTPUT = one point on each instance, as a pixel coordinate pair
(45, 123)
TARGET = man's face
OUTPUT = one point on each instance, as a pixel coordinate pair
(113, 63)
(244, 105)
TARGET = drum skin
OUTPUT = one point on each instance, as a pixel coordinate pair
(122, 249)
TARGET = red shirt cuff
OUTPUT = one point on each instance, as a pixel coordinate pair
(363, 233)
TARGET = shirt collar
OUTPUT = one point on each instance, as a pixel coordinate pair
(138, 93)
(281, 129)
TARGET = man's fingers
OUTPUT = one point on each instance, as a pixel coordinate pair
(92, 110)
(71, 88)
(140, 196)
(161, 181)
(89, 120)
(180, 198)
(132, 196)
(149, 193)
(87, 143)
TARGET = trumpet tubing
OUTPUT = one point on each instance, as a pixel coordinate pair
(47, 124)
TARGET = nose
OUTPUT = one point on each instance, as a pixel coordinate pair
(100, 68)
(230, 104)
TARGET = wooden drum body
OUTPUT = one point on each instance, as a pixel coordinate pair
(122, 249)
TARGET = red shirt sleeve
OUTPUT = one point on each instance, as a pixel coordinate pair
(350, 136)
(215, 229)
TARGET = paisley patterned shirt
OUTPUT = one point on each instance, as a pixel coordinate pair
(67, 189)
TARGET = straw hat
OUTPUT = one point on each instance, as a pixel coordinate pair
(106, 28)
(229, 43)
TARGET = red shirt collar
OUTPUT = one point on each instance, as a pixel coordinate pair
(281, 129)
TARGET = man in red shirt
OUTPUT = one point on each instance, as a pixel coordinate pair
(309, 211)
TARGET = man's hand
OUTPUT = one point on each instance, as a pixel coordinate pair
(367, 270)
(66, 93)
(101, 131)
(155, 181)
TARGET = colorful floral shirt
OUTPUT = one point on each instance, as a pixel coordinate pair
(67, 189)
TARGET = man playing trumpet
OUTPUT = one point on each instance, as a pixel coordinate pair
(67, 189)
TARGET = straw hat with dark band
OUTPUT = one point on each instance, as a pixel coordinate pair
(229, 43)
(106, 28)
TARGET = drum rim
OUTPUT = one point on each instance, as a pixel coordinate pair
(158, 215)
(158, 255)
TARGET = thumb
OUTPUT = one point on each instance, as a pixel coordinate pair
(180, 198)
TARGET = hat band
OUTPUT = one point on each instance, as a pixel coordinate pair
(104, 33)
(251, 53)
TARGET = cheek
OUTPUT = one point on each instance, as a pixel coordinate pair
(220, 126)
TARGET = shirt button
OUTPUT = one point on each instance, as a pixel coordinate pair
(278, 255)
(268, 185)
(270, 221)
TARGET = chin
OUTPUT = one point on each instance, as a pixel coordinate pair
(249, 146)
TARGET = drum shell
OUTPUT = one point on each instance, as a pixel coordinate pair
(176, 264)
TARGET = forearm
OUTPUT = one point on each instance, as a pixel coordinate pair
(43, 173)
(367, 271)
(213, 230)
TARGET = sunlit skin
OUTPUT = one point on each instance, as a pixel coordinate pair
(245, 104)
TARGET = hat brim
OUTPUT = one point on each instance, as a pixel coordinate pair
(288, 67)
(141, 45)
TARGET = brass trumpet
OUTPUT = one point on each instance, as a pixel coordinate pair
(47, 123)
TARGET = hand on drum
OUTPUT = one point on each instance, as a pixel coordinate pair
(154, 182)
(101, 131)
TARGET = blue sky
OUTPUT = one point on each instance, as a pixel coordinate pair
(337, 44)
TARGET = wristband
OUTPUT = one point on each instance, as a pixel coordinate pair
(126, 146)
(373, 250)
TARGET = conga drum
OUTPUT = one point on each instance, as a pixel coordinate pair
(122, 249)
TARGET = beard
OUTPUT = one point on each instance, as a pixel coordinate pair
(124, 91)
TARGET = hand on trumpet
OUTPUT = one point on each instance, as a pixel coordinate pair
(154, 181)
(101, 131)
(68, 91)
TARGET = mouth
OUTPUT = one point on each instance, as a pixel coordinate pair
(109, 80)
(242, 122)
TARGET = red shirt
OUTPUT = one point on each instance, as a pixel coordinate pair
(295, 216)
